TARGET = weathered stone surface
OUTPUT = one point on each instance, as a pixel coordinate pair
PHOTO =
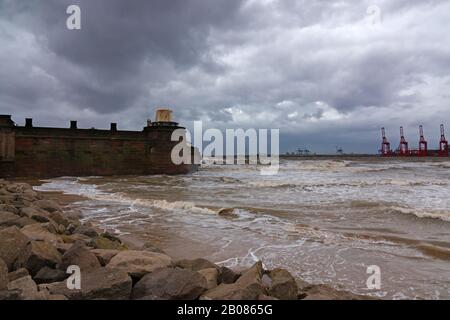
(138, 263)
(8, 218)
(10, 294)
(104, 243)
(79, 255)
(6, 199)
(247, 287)
(12, 242)
(18, 187)
(48, 205)
(20, 273)
(104, 256)
(35, 213)
(63, 247)
(49, 275)
(20, 222)
(59, 218)
(101, 283)
(211, 276)
(9, 208)
(283, 286)
(195, 264)
(27, 287)
(4, 279)
(76, 237)
(87, 231)
(170, 284)
(37, 255)
(40, 232)
(227, 276)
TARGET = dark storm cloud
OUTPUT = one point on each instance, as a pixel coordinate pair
(325, 72)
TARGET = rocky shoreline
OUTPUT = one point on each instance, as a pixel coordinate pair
(39, 240)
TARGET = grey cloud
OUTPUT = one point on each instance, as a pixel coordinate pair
(315, 69)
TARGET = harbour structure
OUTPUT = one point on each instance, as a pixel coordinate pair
(43, 152)
(404, 149)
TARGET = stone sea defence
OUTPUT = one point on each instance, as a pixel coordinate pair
(39, 152)
(39, 242)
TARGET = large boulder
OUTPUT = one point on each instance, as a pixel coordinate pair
(49, 275)
(7, 199)
(19, 273)
(18, 187)
(248, 287)
(283, 285)
(104, 256)
(4, 279)
(101, 283)
(211, 275)
(59, 218)
(102, 242)
(35, 213)
(9, 208)
(170, 284)
(27, 287)
(20, 222)
(41, 232)
(37, 255)
(138, 263)
(79, 255)
(87, 231)
(195, 264)
(12, 243)
(227, 276)
(7, 219)
(77, 237)
(47, 205)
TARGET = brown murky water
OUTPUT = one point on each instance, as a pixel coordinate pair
(325, 220)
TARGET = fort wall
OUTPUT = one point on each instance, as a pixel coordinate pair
(51, 152)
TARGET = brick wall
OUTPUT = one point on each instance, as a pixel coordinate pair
(51, 152)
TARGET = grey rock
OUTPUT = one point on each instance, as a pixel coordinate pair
(170, 284)
(48, 205)
(211, 275)
(79, 255)
(138, 263)
(49, 275)
(283, 285)
(4, 279)
(12, 243)
(104, 256)
(101, 283)
(27, 287)
(248, 287)
(87, 231)
(195, 264)
(37, 255)
(228, 276)
(19, 273)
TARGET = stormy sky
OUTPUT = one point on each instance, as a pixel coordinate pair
(324, 72)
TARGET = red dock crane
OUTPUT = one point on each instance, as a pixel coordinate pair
(403, 147)
(423, 144)
(385, 145)
(443, 144)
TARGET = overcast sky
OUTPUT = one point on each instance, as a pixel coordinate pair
(325, 72)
